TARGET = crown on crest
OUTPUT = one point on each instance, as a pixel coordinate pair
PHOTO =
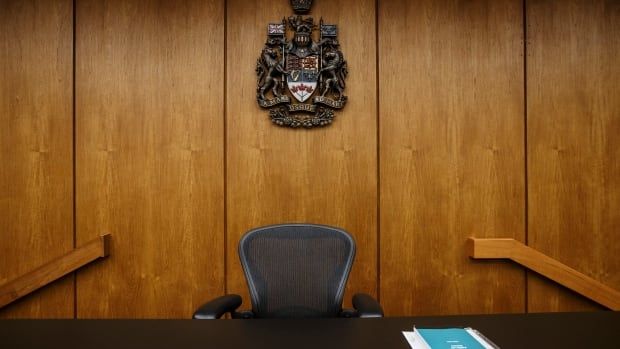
(301, 6)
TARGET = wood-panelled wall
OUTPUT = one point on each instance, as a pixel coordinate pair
(487, 118)
(573, 94)
(149, 154)
(277, 175)
(451, 145)
(36, 146)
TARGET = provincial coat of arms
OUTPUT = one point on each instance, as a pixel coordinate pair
(301, 80)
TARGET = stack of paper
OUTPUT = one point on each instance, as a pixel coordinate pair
(447, 338)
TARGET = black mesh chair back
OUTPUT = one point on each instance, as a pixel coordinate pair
(296, 270)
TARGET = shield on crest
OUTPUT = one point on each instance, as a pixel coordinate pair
(303, 74)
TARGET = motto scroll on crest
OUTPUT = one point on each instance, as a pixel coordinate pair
(301, 80)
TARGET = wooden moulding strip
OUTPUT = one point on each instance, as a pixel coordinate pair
(57, 268)
(546, 266)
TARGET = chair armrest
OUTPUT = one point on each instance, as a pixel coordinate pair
(348, 313)
(217, 307)
(367, 306)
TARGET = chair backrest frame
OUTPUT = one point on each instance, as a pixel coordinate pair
(290, 229)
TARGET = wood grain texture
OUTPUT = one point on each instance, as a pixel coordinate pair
(573, 143)
(546, 266)
(451, 154)
(53, 270)
(150, 155)
(326, 176)
(36, 216)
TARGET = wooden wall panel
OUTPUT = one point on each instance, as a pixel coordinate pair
(36, 176)
(573, 145)
(451, 153)
(151, 94)
(150, 155)
(278, 175)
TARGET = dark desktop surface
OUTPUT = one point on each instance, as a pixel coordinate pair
(550, 330)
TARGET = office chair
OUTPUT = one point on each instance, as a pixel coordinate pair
(294, 271)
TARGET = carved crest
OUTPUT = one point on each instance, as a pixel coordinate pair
(301, 71)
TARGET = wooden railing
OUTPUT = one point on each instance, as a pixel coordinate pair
(546, 266)
(59, 267)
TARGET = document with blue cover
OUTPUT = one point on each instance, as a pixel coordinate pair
(447, 338)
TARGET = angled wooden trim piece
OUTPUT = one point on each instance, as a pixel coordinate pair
(57, 268)
(546, 266)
